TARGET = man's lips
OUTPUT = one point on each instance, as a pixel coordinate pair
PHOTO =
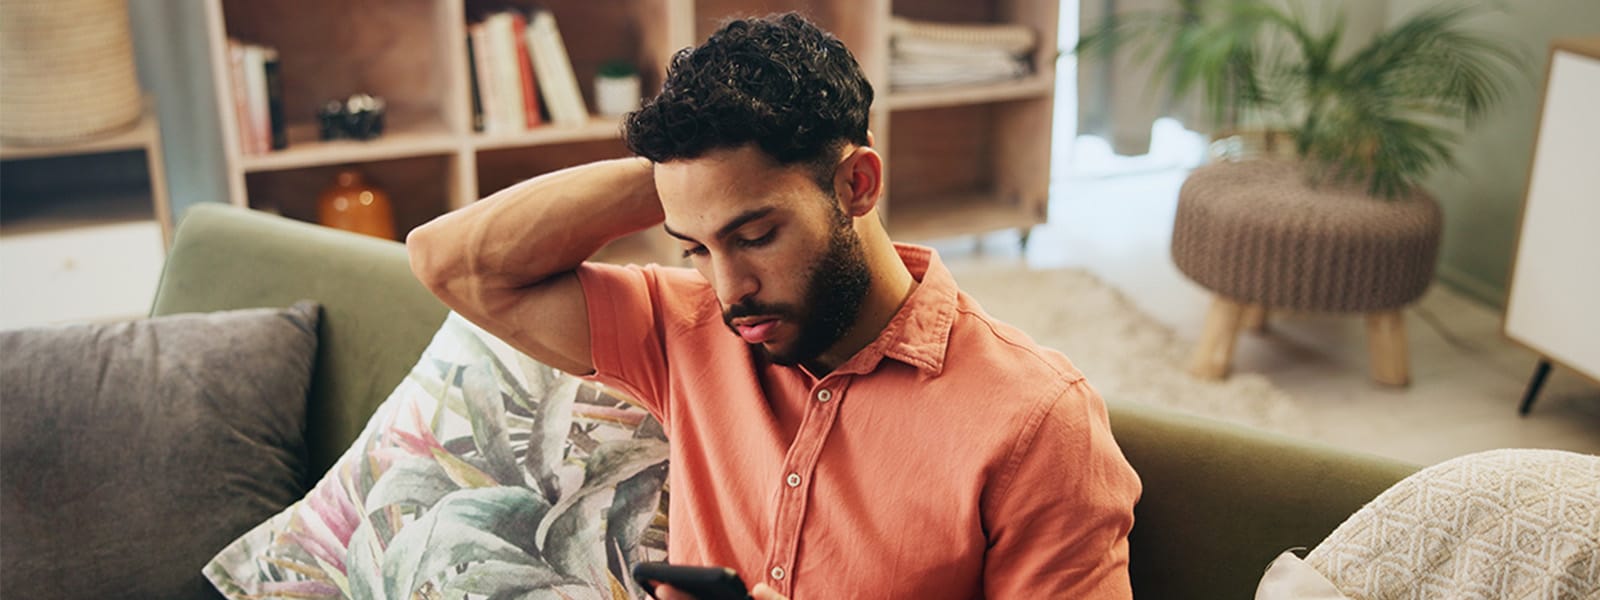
(756, 331)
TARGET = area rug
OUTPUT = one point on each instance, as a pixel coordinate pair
(1127, 355)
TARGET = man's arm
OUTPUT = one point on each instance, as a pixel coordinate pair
(1059, 525)
(506, 262)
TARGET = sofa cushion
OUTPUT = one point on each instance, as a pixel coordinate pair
(133, 451)
(483, 473)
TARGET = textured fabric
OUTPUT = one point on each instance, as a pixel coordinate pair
(376, 317)
(1221, 501)
(1500, 525)
(1254, 231)
(950, 458)
(485, 473)
(134, 451)
(1290, 578)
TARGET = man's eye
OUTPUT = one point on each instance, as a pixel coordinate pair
(758, 242)
(695, 251)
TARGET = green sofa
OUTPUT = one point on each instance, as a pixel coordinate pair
(1220, 501)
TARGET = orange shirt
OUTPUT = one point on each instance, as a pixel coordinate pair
(950, 458)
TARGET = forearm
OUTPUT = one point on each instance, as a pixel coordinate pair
(531, 231)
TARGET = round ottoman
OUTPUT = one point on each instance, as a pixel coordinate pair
(1260, 236)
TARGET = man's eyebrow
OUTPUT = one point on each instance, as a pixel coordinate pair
(733, 225)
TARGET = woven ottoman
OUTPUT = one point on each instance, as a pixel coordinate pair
(1260, 237)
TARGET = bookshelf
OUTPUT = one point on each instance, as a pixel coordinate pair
(963, 160)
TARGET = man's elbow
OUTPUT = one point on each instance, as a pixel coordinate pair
(429, 263)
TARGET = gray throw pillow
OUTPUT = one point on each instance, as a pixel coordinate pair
(132, 452)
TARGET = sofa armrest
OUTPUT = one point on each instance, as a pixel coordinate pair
(376, 317)
(1221, 501)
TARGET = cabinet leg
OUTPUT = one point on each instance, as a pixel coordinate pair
(1214, 356)
(1539, 375)
(1254, 319)
(1386, 347)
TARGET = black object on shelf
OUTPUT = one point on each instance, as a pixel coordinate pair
(360, 117)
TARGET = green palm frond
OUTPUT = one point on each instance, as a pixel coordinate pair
(1386, 115)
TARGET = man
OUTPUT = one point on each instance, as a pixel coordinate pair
(844, 421)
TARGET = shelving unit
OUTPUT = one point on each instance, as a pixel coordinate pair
(75, 253)
(963, 160)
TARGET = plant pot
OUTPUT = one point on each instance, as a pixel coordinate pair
(616, 96)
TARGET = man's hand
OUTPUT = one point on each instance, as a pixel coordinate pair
(760, 592)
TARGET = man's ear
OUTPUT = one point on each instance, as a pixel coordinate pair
(858, 181)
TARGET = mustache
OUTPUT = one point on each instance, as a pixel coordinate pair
(756, 309)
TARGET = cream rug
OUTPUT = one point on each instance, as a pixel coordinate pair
(1127, 355)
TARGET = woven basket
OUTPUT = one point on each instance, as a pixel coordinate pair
(66, 71)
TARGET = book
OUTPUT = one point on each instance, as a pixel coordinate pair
(553, 69)
(506, 74)
(472, 82)
(530, 98)
(240, 97)
(255, 85)
(275, 118)
(483, 73)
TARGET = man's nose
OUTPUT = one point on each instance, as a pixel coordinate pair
(734, 282)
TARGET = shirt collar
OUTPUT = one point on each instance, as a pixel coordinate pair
(919, 333)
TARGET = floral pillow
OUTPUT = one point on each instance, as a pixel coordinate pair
(483, 475)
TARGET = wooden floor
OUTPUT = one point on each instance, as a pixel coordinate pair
(1466, 379)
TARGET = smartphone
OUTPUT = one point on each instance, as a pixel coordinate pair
(704, 583)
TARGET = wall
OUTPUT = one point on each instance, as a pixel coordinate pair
(1482, 196)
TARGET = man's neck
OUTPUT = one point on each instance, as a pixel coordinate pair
(891, 285)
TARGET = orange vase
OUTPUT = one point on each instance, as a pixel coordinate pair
(352, 204)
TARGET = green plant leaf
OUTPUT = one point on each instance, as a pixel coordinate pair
(410, 481)
(486, 408)
(490, 578)
(363, 573)
(459, 530)
(574, 541)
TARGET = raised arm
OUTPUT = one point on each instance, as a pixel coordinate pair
(506, 262)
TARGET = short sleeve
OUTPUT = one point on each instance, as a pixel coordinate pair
(626, 333)
(1059, 518)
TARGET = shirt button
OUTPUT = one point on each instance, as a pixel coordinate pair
(794, 480)
(824, 395)
(777, 572)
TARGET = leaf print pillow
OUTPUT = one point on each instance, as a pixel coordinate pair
(483, 475)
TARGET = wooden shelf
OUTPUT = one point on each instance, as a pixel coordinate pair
(305, 150)
(1036, 86)
(597, 128)
(916, 220)
(989, 139)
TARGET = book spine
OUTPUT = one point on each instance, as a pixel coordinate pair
(483, 72)
(530, 99)
(274, 78)
(472, 82)
(554, 70)
(240, 96)
(506, 76)
(255, 82)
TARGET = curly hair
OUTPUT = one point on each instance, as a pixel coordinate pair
(778, 82)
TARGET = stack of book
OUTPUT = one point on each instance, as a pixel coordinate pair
(521, 75)
(257, 84)
(926, 54)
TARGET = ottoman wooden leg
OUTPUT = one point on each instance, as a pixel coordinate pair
(1215, 353)
(1386, 347)
(1254, 319)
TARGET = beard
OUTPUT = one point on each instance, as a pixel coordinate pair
(835, 289)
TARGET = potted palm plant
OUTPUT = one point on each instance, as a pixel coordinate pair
(1342, 225)
(1385, 113)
